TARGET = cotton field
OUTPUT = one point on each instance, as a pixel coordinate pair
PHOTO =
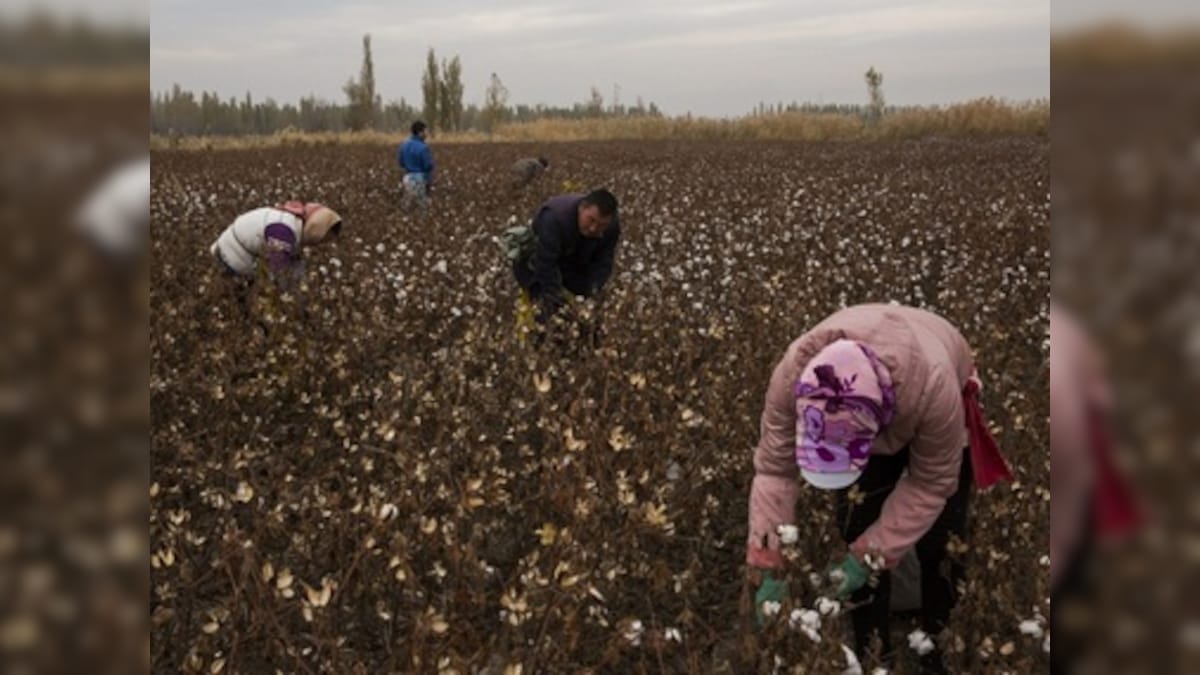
(372, 473)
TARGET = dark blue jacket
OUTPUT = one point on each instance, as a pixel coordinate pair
(564, 257)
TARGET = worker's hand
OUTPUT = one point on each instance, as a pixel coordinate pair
(549, 305)
(849, 575)
(771, 590)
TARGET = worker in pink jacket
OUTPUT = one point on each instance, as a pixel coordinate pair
(881, 398)
(1093, 503)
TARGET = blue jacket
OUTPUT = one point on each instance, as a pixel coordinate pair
(414, 157)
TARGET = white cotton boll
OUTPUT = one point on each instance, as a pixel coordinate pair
(920, 642)
(770, 608)
(379, 248)
(853, 667)
(810, 619)
(440, 267)
(1046, 644)
(807, 621)
(336, 262)
(1031, 627)
(826, 606)
(788, 534)
(633, 634)
(674, 472)
(673, 635)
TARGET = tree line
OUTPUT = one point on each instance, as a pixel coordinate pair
(181, 111)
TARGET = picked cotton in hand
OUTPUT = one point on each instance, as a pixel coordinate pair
(826, 606)
(1032, 628)
(920, 642)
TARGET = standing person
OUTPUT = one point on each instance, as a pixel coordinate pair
(883, 399)
(274, 236)
(527, 170)
(416, 160)
(571, 247)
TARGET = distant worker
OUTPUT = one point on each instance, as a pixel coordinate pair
(527, 170)
(416, 160)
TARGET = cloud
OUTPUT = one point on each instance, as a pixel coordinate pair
(229, 54)
(705, 55)
(873, 23)
(724, 9)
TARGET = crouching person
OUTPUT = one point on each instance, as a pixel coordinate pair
(880, 404)
(270, 241)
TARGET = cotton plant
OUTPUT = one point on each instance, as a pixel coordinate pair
(809, 621)
(472, 431)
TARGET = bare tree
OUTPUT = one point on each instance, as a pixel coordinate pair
(363, 102)
(495, 104)
(595, 105)
(430, 86)
(450, 104)
(875, 91)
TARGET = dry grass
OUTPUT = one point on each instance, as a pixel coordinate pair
(74, 79)
(1119, 44)
(980, 117)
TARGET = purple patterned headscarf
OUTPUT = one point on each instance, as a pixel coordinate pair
(844, 398)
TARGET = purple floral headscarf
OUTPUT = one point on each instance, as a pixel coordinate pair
(844, 398)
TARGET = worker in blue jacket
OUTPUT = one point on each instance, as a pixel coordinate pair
(416, 160)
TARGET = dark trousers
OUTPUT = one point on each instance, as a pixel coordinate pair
(940, 572)
(1074, 590)
(573, 281)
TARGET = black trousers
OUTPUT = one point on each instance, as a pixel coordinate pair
(1074, 590)
(940, 572)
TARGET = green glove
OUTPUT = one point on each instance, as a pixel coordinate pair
(850, 575)
(770, 589)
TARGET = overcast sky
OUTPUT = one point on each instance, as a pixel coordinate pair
(710, 58)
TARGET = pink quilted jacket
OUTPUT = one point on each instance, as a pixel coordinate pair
(930, 363)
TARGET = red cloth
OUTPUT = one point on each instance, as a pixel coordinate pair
(1114, 510)
(300, 209)
(987, 464)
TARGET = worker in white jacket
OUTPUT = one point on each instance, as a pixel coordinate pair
(274, 235)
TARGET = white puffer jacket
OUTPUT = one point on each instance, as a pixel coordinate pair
(240, 245)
